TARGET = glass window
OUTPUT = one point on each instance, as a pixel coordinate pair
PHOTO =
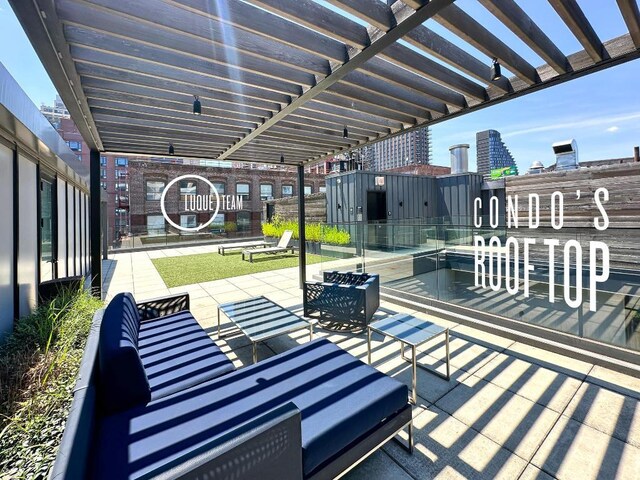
(323, 190)
(154, 189)
(308, 189)
(103, 161)
(103, 173)
(121, 173)
(188, 187)
(155, 224)
(218, 220)
(122, 187)
(242, 190)
(75, 145)
(47, 231)
(219, 187)
(121, 162)
(79, 157)
(103, 185)
(287, 190)
(188, 221)
(266, 191)
(244, 221)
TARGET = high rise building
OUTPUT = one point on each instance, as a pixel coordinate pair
(411, 148)
(492, 153)
(56, 112)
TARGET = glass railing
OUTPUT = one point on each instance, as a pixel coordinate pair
(441, 261)
(144, 238)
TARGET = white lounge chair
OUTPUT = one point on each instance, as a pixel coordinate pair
(241, 245)
(282, 247)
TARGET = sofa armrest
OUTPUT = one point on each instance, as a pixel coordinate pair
(270, 444)
(161, 306)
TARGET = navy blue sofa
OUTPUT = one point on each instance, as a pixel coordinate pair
(155, 398)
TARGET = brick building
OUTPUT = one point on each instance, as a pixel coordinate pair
(147, 180)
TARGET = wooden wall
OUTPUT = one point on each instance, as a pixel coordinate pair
(315, 208)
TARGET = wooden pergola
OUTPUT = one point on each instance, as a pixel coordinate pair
(282, 79)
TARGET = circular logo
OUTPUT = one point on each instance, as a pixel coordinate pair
(202, 225)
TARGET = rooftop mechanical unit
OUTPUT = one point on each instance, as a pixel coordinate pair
(566, 155)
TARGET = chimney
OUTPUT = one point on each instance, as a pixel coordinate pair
(636, 154)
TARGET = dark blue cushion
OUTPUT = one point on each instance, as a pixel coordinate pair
(122, 380)
(177, 354)
(340, 399)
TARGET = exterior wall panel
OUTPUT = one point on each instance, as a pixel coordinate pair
(28, 235)
(6, 241)
(62, 228)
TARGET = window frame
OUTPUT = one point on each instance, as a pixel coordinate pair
(245, 196)
(159, 193)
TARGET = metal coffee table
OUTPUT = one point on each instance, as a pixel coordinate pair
(260, 319)
(412, 332)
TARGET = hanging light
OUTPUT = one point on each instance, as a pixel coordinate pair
(281, 158)
(171, 149)
(345, 132)
(197, 106)
(496, 73)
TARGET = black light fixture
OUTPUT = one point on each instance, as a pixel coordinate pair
(345, 132)
(171, 149)
(496, 73)
(197, 106)
(281, 158)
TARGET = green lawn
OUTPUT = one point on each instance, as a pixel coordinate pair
(188, 269)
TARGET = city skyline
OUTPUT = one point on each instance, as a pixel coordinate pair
(529, 124)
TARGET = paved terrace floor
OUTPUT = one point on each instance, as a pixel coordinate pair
(510, 410)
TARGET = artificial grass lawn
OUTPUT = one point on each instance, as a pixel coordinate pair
(205, 267)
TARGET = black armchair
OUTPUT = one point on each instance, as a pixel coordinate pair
(344, 300)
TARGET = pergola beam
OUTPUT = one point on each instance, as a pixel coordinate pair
(631, 16)
(512, 16)
(466, 27)
(357, 60)
(575, 19)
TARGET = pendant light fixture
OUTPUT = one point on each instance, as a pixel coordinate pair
(197, 106)
(281, 158)
(171, 149)
(345, 132)
(496, 73)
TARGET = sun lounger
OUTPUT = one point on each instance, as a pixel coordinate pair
(282, 247)
(241, 245)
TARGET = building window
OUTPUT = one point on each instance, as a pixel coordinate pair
(287, 190)
(121, 162)
(244, 221)
(155, 225)
(79, 157)
(323, 190)
(219, 187)
(154, 189)
(308, 189)
(187, 187)
(121, 173)
(266, 191)
(103, 185)
(103, 173)
(74, 145)
(103, 161)
(122, 187)
(188, 221)
(242, 190)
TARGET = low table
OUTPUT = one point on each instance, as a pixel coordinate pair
(260, 319)
(412, 332)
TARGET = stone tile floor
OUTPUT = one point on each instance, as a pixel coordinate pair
(510, 411)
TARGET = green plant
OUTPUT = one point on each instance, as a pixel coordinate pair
(230, 227)
(38, 367)
(314, 232)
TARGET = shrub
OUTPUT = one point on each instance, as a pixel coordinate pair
(314, 232)
(230, 227)
(38, 367)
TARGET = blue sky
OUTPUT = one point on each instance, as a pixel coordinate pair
(601, 111)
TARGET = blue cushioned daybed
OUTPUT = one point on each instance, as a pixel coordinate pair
(157, 398)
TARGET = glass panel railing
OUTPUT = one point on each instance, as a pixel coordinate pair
(442, 261)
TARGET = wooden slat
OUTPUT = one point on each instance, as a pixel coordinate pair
(573, 16)
(631, 15)
(467, 28)
(509, 13)
(375, 12)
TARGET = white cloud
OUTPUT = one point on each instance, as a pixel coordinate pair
(591, 122)
(613, 129)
